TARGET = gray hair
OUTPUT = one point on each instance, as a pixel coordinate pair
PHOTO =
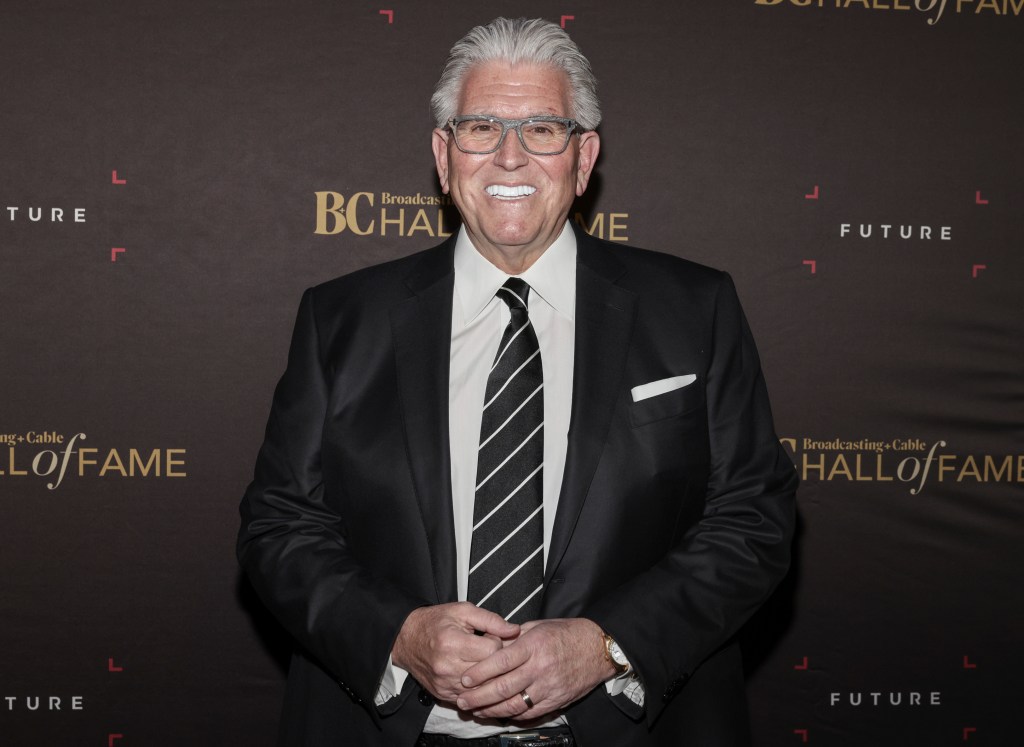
(531, 41)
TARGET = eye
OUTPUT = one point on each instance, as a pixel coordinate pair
(541, 129)
(483, 127)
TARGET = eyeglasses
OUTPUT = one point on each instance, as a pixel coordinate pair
(479, 134)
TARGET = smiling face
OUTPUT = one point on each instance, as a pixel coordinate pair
(512, 203)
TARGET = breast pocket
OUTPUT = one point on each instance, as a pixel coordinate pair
(667, 405)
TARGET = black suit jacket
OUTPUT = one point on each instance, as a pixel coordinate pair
(673, 524)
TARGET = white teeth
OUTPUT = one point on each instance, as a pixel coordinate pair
(500, 190)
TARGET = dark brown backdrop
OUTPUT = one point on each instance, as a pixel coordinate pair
(194, 138)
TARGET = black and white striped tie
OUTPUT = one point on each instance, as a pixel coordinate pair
(506, 562)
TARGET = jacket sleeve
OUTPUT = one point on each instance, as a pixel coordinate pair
(291, 545)
(675, 614)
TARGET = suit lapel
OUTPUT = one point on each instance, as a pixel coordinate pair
(421, 329)
(604, 323)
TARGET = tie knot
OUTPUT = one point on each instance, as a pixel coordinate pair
(515, 292)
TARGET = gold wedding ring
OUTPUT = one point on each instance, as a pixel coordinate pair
(526, 699)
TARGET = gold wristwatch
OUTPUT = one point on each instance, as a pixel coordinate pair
(614, 654)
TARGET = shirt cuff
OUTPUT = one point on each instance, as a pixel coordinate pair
(391, 683)
(627, 684)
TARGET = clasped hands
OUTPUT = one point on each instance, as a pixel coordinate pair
(474, 659)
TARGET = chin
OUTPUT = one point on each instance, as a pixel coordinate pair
(511, 235)
(518, 239)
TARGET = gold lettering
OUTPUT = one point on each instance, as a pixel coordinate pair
(82, 460)
(931, 6)
(914, 462)
(113, 461)
(614, 226)
(943, 467)
(14, 470)
(617, 225)
(596, 228)
(840, 467)
(171, 463)
(385, 221)
(134, 458)
(820, 467)
(970, 468)
(878, 470)
(420, 223)
(353, 213)
(991, 473)
(442, 233)
(990, 4)
(860, 477)
(39, 460)
(324, 210)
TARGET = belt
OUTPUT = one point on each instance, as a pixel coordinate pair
(553, 737)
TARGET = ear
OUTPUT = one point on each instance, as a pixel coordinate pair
(439, 142)
(590, 146)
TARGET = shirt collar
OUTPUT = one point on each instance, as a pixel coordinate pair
(552, 276)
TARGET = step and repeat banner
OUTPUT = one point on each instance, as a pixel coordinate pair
(174, 174)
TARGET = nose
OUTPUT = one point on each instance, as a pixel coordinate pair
(511, 155)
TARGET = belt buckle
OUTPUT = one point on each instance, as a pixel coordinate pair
(517, 739)
(530, 739)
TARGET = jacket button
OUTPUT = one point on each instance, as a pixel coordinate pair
(426, 698)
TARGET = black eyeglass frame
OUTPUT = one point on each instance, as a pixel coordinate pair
(571, 127)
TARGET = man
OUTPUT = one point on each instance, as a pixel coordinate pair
(571, 435)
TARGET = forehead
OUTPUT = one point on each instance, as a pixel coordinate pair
(515, 90)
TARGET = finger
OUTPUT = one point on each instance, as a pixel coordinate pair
(517, 709)
(487, 622)
(472, 649)
(500, 662)
(502, 694)
(510, 709)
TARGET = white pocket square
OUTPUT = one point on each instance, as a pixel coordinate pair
(645, 391)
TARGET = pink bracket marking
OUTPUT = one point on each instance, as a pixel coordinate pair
(115, 180)
(802, 733)
(813, 263)
(115, 251)
(974, 273)
(813, 195)
(112, 737)
(967, 660)
(968, 730)
(978, 200)
(390, 14)
(802, 666)
(564, 19)
(110, 662)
